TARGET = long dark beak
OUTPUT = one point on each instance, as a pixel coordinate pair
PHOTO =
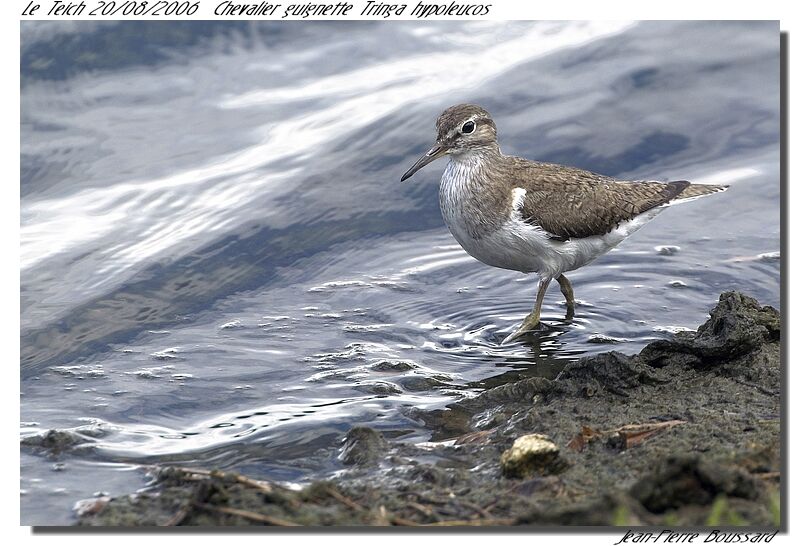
(431, 155)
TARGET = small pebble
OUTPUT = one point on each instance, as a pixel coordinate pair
(603, 339)
(532, 454)
(232, 325)
(770, 257)
(88, 507)
(667, 250)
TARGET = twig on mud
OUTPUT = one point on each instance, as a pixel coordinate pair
(187, 470)
(627, 435)
(633, 435)
(199, 494)
(767, 475)
(762, 390)
(382, 518)
(479, 509)
(403, 522)
(477, 437)
(422, 509)
(244, 480)
(471, 522)
(345, 500)
(246, 514)
(445, 502)
(428, 500)
(179, 516)
(455, 522)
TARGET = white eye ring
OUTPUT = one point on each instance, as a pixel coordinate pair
(468, 127)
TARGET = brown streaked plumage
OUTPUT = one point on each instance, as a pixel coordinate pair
(530, 216)
(569, 202)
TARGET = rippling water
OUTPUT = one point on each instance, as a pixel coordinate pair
(221, 268)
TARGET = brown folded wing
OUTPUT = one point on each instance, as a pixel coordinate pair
(568, 202)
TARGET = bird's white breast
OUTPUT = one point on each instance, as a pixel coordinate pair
(454, 196)
(495, 237)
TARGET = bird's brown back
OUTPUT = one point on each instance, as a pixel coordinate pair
(573, 203)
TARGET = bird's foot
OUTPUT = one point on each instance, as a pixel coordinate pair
(528, 325)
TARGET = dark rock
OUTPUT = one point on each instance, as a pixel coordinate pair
(417, 383)
(681, 480)
(667, 250)
(378, 387)
(393, 366)
(524, 391)
(436, 475)
(551, 485)
(612, 371)
(445, 423)
(603, 339)
(738, 325)
(610, 509)
(363, 446)
(54, 442)
(741, 320)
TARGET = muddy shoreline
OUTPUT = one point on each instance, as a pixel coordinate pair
(687, 432)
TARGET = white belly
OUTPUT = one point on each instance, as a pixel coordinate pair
(522, 247)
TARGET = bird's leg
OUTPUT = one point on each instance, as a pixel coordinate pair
(532, 320)
(566, 289)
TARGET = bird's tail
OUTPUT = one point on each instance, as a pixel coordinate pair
(694, 191)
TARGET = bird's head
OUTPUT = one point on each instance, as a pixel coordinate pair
(461, 129)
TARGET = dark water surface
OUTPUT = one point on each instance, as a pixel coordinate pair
(220, 267)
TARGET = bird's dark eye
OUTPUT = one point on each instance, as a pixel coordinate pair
(468, 127)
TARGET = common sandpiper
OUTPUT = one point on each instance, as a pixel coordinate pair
(536, 217)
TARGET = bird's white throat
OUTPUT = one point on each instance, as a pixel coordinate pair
(460, 175)
(458, 185)
(462, 195)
